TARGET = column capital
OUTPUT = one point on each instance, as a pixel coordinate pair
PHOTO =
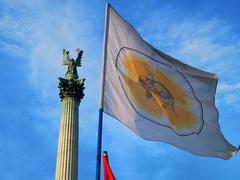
(71, 88)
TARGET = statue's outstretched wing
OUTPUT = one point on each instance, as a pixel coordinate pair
(66, 58)
(78, 60)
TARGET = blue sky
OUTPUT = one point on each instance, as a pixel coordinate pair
(32, 35)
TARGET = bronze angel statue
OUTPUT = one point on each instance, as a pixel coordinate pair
(71, 86)
(72, 64)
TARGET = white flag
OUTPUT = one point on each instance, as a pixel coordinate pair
(157, 96)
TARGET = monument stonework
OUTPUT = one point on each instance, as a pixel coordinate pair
(71, 93)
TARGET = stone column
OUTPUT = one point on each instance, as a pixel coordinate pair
(71, 93)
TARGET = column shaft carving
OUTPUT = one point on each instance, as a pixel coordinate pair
(67, 162)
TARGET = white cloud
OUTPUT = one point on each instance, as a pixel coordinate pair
(230, 99)
(229, 94)
(209, 44)
(39, 31)
(12, 49)
(228, 87)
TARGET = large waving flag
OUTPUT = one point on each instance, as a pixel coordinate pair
(157, 96)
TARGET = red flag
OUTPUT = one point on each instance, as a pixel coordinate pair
(108, 174)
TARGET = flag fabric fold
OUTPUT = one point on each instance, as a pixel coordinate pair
(159, 97)
(107, 171)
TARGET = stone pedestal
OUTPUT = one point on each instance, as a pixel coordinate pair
(71, 93)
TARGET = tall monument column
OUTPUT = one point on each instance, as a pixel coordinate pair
(71, 93)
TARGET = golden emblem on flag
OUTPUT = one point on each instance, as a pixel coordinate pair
(159, 93)
(153, 87)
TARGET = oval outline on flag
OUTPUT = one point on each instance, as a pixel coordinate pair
(201, 124)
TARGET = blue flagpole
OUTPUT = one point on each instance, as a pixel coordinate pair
(100, 117)
(99, 144)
